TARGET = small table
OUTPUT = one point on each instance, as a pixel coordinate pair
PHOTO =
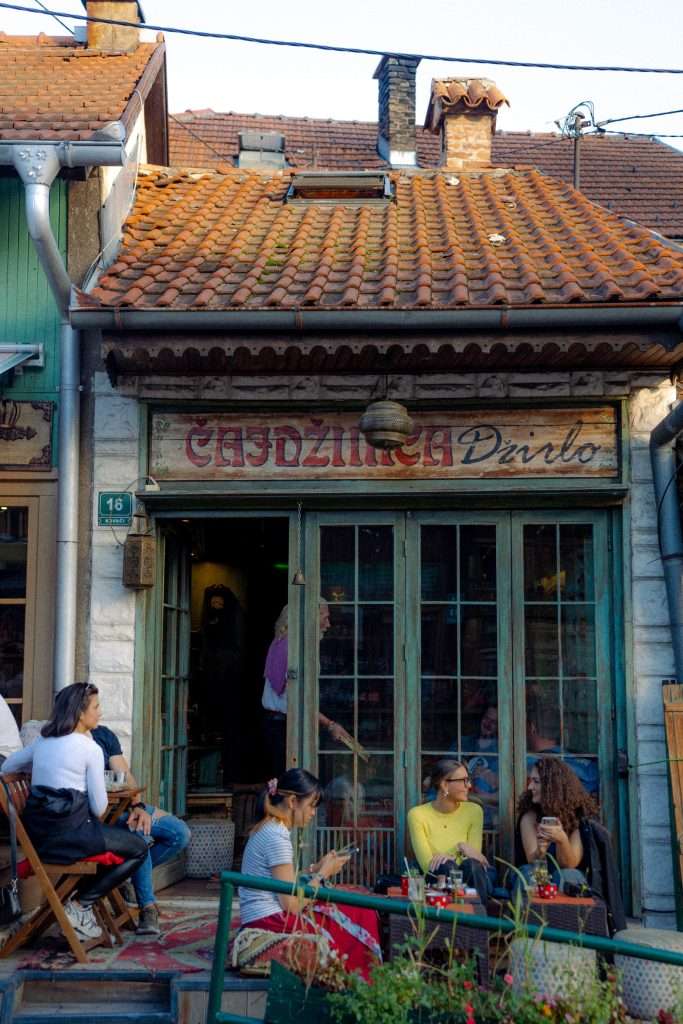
(466, 937)
(581, 914)
(118, 802)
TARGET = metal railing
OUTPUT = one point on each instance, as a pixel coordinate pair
(230, 879)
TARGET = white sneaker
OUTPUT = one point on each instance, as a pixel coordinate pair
(82, 919)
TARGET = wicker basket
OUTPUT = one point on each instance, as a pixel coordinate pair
(211, 846)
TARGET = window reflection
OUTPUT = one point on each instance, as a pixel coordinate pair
(13, 560)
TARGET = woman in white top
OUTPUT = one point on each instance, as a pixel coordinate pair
(68, 798)
(286, 803)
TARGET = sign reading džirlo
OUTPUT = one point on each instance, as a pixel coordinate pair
(445, 445)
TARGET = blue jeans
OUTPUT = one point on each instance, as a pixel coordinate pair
(168, 837)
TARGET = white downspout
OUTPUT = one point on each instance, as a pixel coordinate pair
(38, 165)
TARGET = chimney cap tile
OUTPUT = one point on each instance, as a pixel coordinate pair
(460, 95)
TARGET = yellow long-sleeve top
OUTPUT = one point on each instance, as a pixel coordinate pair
(432, 831)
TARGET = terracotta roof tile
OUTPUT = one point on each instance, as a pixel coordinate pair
(638, 177)
(52, 87)
(216, 240)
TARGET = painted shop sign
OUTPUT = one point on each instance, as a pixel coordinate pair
(460, 445)
(25, 435)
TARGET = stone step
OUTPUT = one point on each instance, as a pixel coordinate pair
(82, 999)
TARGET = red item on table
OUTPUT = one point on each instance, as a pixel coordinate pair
(547, 891)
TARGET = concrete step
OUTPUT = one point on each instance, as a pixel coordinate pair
(79, 998)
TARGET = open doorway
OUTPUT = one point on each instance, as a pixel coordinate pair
(238, 588)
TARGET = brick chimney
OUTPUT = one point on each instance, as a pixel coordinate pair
(113, 38)
(396, 130)
(464, 111)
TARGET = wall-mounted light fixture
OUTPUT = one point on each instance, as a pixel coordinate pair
(385, 423)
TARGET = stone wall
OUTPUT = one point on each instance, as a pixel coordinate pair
(652, 659)
(112, 608)
(396, 84)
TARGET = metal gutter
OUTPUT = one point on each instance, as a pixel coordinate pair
(664, 472)
(300, 320)
(38, 164)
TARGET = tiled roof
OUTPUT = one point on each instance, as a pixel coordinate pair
(54, 88)
(454, 94)
(638, 177)
(217, 240)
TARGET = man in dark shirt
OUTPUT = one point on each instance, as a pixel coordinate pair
(166, 834)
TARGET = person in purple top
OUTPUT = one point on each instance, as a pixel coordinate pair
(274, 697)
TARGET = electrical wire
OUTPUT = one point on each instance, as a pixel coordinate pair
(633, 117)
(58, 20)
(221, 156)
(639, 135)
(329, 48)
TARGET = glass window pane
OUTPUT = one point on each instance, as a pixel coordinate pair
(337, 563)
(12, 618)
(439, 639)
(338, 806)
(439, 563)
(375, 563)
(337, 644)
(337, 703)
(440, 714)
(588, 773)
(13, 548)
(543, 719)
(540, 563)
(578, 639)
(376, 791)
(478, 563)
(479, 716)
(376, 713)
(375, 640)
(576, 562)
(580, 716)
(541, 640)
(479, 639)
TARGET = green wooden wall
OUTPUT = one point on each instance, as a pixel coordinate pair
(27, 310)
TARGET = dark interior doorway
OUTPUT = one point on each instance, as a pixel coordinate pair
(239, 586)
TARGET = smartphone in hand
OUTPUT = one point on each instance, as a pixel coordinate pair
(550, 820)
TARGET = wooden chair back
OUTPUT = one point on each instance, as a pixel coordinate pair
(57, 881)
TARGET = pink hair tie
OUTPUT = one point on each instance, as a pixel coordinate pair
(271, 786)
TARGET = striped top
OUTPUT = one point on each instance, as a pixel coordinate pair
(265, 849)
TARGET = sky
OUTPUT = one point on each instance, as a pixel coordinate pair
(275, 80)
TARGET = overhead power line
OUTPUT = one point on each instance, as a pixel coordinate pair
(361, 51)
(634, 117)
(59, 20)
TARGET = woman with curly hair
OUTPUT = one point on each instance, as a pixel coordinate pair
(554, 793)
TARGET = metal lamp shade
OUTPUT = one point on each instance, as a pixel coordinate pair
(386, 424)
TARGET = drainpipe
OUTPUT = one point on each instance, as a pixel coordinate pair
(663, 458)
(38, 164)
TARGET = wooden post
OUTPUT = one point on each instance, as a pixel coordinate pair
(672, 693)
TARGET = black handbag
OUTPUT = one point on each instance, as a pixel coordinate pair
(10, 907)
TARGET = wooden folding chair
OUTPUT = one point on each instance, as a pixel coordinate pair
(57, 882)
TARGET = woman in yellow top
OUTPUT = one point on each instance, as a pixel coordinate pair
(447, 832)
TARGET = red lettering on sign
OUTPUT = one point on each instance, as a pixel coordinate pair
(317, 432)
(261, 438)
(201, 436)
(230, 440)
(405, 457)
(337, 447)
(438, 439)
(354, 454)
(283, 436)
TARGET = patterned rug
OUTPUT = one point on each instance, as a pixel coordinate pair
(185, 944)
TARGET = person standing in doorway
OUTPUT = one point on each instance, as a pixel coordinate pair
(274, 698)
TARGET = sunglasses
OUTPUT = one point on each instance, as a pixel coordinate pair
(463, 778)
